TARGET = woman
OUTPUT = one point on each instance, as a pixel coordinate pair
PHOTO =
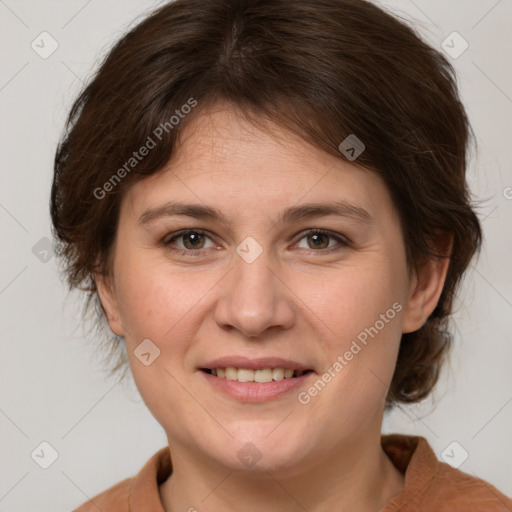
(268, 199)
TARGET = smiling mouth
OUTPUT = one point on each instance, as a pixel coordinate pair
(258, 376)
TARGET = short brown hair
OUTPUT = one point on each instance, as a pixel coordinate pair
(323, 69)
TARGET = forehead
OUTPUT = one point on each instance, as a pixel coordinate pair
(222, 138)
(226, 160)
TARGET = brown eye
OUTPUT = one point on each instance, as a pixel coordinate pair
(191, 240)
(318, 241)
(321, 240)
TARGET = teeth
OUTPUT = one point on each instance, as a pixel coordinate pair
(277, 374)
(245, 375)
(262, 375)
(231, 373)
(248, 375)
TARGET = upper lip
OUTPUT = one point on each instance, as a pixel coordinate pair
(254, 364)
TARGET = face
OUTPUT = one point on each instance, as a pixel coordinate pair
(264, 280)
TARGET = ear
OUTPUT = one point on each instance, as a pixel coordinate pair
(426, 286)
(107, 295)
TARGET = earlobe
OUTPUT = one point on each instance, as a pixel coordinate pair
(425, 290)
(106, 293)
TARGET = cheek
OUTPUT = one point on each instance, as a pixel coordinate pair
(158, 304)
(350, 299)
(358, 311)
(146, 296)
(161, 303)
(145, 305)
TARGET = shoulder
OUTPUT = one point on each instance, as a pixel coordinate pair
(140, 492)
(114, 499)
(456, 490)
(431, 484)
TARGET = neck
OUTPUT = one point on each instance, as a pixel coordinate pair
(355, 477)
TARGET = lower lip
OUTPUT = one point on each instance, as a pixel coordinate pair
(255, 391)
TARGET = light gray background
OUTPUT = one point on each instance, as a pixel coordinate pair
(52, 385)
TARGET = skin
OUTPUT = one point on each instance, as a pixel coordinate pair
(295, 301)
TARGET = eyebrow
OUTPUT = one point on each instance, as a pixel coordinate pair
(292, 214)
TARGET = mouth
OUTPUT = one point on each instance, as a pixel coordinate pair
(261, 376)
(265, 381)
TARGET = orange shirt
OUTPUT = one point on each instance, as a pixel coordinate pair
(430, 485)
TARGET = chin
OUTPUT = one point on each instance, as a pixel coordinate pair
(259, 451)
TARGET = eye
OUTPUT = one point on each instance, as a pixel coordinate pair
(319, 239)
(192, 240)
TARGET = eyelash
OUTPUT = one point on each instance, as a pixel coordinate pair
(344, 242)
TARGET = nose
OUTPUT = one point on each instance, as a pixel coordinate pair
(254, 298)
